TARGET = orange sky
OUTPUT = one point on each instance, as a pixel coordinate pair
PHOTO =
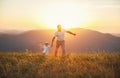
(101, 15)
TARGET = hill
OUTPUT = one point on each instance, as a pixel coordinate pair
(86, 40)
(36, 65)
(116, 34)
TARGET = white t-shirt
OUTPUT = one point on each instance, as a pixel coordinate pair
(46, 49)
(60, 35)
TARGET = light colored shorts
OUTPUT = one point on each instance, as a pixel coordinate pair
(60, 43)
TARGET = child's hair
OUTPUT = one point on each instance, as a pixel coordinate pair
(46, 43)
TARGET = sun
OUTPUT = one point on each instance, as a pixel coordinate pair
(68, 15)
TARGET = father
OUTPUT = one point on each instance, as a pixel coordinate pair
(60, 33)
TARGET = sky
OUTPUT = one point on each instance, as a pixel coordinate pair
(100, 15)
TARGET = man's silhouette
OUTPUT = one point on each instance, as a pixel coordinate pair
(60, 39)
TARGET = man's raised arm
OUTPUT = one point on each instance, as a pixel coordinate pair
(71, 33)
(52, 41)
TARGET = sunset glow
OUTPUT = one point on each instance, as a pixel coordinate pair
(100, 15)
(57, 14)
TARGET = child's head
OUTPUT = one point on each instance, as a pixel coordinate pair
(46, 43)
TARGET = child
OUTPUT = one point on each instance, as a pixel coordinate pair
(45, 48)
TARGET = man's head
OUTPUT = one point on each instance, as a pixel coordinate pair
(59, 27)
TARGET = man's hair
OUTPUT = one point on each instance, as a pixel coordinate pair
(58, 25)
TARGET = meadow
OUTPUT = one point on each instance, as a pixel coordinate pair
(37, 65)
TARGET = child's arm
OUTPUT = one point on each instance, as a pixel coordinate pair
(41, 48)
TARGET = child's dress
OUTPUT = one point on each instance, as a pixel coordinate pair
(46, 49)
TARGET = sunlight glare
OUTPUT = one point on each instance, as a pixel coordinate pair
(66, 15)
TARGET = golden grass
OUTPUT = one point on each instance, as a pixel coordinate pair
(83, 65)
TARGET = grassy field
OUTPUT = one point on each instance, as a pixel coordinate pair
(83, 65)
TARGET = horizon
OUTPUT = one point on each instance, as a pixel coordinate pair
(21, 30)
(102, 16)
(15, 31)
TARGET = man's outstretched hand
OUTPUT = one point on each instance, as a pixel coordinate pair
(71, 33)
(74, 34)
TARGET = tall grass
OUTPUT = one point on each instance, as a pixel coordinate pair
(83, 65)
